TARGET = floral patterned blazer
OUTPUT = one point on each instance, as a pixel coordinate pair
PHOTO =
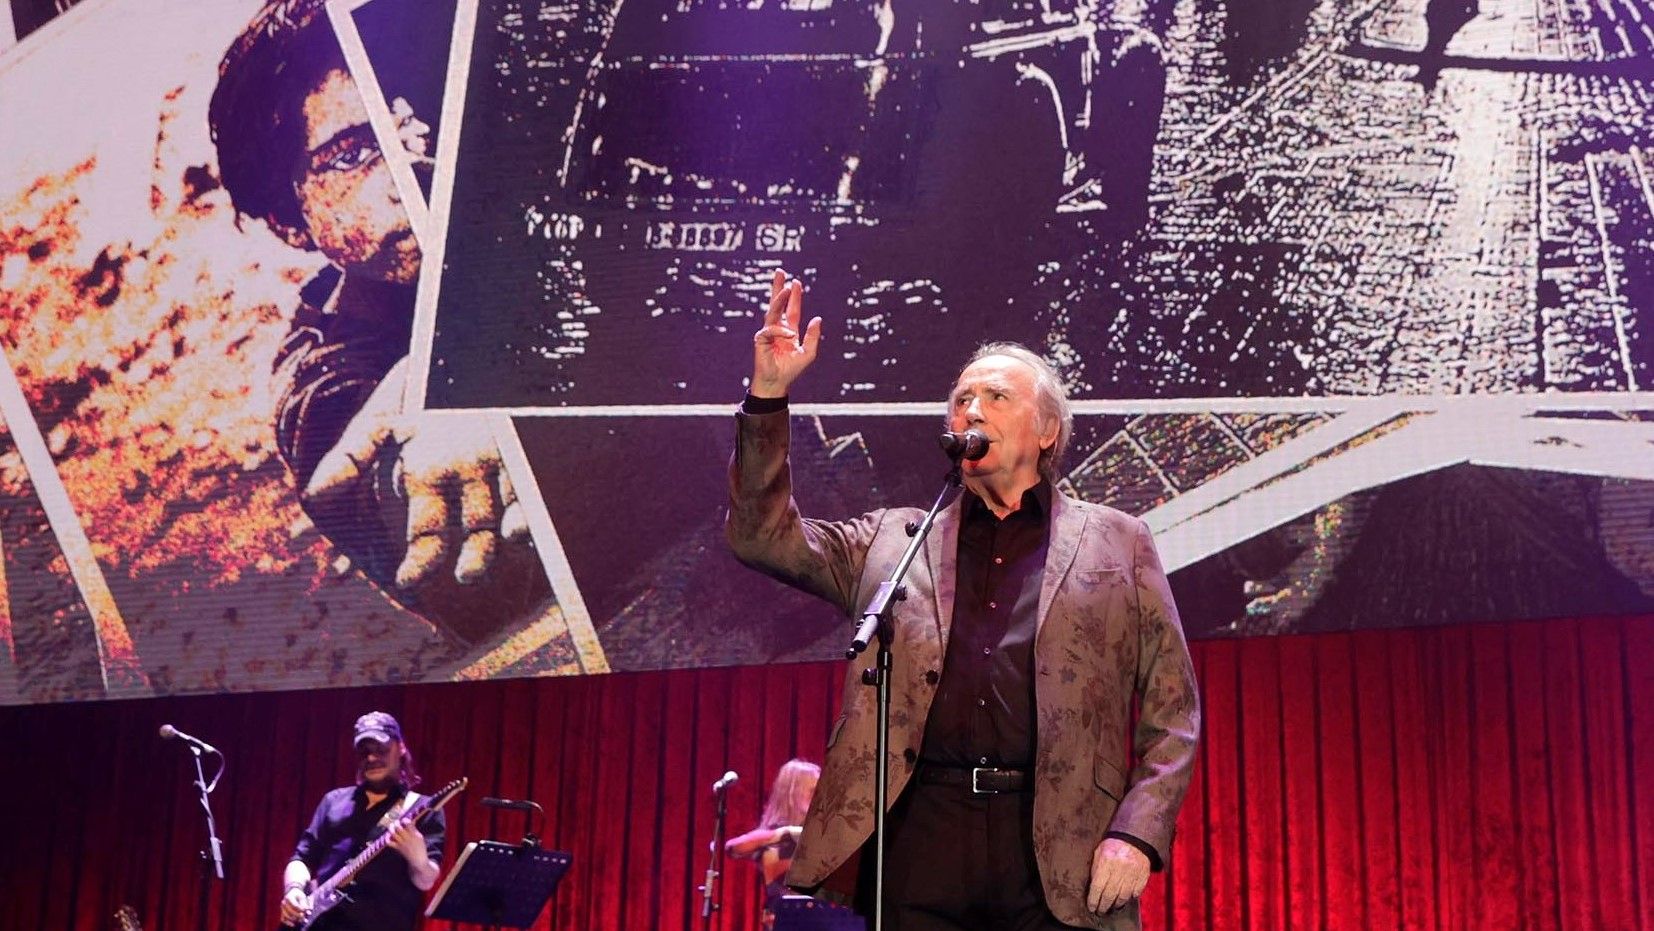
(1108, 639)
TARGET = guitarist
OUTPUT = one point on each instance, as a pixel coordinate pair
(388, 893)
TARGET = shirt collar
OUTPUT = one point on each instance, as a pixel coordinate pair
(396, 792)
(1036, 502)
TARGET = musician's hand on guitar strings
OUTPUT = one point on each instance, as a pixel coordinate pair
(294, 904)
(407, 840)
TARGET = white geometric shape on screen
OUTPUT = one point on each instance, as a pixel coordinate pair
(1607, 449)
(553, 559)
(1269, 465)
(434, 246)
(123, 673)
(1128, 407)
(396, 157)
(1388, 440)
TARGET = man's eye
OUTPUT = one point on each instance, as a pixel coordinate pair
(353, 157)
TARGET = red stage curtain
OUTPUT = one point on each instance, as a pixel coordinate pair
(1491, 776)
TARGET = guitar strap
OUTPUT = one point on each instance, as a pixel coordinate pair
(408, 800)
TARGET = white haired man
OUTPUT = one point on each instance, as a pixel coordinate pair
(1034, 625)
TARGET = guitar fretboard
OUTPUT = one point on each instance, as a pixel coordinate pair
(348, 872)
(413, 815)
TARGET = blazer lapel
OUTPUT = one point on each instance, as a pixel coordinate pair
(1067, 530)
(942, 556)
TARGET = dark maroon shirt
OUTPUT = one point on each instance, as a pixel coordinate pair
(983, 714)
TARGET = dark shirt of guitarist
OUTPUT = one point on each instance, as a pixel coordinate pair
(387, 894)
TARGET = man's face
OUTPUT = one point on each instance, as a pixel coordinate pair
(379, 761)
(997, 395)
(350, 204)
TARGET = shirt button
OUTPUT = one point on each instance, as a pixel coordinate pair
(987, 651)
(993, 604)
(984, 761)
(981, 703)
(999, 560)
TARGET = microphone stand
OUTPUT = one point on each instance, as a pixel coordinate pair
(711, 894)
(214, 853)
(876, 622)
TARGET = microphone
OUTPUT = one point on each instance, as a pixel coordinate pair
(970, 445)
(724, 783)
(169, 732)
(509, 804)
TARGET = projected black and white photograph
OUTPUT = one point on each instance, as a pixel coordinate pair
(1238, 199)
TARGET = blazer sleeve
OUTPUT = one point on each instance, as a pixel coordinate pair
(1168, 721)
(766, 531)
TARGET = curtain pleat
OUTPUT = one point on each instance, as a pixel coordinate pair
(1221, 763)
(1478, 776)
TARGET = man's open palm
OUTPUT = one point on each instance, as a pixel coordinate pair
(779, 354)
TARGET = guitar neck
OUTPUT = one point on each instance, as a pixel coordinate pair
(374, 848)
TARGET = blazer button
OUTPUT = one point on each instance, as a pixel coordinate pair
(931, 677)
(910, 756)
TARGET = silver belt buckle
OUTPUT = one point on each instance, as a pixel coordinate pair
(977, 771)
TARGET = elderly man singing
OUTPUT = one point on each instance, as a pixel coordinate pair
(1044, 709)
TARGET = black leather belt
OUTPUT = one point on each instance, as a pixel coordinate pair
(981, 780)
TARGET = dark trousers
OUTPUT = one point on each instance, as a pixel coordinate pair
(959, 862)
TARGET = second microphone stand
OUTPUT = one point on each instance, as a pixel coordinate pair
(711, 891)
(212, 858)
(876, 623)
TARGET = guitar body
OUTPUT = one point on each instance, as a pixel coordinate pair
(319, 907)
(331, 893)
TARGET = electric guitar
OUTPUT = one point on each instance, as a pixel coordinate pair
(332, 893)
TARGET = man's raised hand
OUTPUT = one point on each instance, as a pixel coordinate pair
(779, 353)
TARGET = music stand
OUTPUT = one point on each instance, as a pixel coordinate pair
(499, 885)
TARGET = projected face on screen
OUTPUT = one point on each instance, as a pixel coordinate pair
(424, 510)
(351, 208)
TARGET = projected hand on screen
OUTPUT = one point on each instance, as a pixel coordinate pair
(461, 507)
(778, 354)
